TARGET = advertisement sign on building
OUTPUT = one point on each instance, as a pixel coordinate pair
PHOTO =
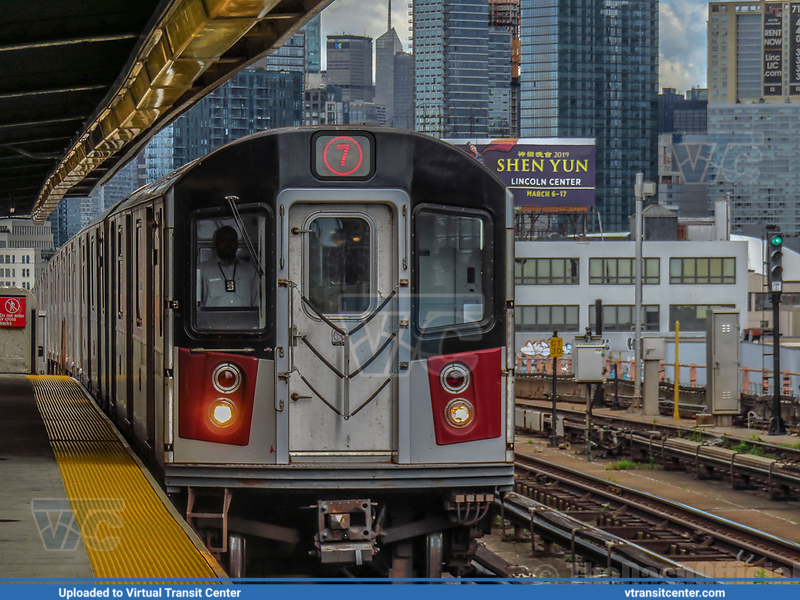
(773, 49)
(794, 48)
(539, 172)
(12, 312)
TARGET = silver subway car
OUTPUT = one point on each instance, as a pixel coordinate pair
(305, 334)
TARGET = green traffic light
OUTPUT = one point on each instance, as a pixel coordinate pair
(776, 240)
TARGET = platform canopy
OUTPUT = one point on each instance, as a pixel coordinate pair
(84, 84)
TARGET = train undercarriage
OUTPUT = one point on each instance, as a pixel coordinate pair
(411, 535)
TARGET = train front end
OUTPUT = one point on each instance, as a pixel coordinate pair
(342, 328)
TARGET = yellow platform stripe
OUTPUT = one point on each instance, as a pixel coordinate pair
(127, 530)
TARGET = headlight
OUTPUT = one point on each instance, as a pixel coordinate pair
(222, 412)
(459, 412)
(455, 378)
(226, 378)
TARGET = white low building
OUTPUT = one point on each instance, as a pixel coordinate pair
(24, 250)
(557, 284)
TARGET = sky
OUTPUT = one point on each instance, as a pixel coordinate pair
(682, 33)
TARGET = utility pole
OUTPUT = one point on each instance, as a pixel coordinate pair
(641, 190)
(636, 404)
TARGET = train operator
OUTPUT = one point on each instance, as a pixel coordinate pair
(228, 280)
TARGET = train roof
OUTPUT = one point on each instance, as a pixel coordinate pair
(162, 185)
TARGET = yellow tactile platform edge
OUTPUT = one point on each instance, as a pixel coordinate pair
(127, 530)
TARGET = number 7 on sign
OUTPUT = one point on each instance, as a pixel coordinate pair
(345, 148)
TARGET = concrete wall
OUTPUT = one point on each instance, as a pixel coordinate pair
(18, 344)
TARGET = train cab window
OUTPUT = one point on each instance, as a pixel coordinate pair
(451, 254)
(229, 292)
(339, 265)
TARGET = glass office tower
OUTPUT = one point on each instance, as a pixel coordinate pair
(589, 69)
(452, 54)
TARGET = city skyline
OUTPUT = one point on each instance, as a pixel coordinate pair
(682, 35)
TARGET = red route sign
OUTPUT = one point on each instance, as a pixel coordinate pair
(12, 312)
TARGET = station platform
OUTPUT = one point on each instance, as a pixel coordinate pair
(76, 502)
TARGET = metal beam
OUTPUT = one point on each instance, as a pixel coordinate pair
(42, 122)
(93, 39)
(47, 92)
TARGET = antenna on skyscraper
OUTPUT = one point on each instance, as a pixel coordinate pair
(389, 26)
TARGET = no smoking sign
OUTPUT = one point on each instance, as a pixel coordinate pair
(12, 312)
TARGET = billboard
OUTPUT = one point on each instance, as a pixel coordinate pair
(773, 49)
(794, 48)
(539, 171)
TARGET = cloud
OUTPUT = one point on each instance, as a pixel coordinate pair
(682, 33)
(360, 17)
(682, 44)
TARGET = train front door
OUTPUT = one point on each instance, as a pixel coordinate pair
(342, 298)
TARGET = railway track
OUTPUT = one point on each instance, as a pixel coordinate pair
(656, 527)
(575, 418)
(748, 464)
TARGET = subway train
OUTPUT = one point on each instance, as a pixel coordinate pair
(306, 336)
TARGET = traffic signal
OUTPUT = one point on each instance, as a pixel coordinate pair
(775, 262)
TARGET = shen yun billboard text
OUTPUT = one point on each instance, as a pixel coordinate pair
(539, 172)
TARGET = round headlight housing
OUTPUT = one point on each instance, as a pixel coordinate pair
(455, 378)
(459, 412)
(222, 412)
(226, 378)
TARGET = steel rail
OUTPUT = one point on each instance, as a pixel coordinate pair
(762, 546)
(631, 559)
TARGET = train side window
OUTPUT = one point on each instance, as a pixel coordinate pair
(452, 251)
(228, 292)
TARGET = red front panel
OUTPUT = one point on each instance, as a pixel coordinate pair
(484, 393)
(198, 398)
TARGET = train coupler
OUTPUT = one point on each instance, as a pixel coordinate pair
(347, 531)
(468, 509)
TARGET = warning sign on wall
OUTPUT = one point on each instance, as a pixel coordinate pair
(12, 312)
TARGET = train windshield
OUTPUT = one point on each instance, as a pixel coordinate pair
(229, 291)
(452, 254)
(339, 265)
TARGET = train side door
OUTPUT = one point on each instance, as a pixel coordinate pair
(343, 300)
(142, 331)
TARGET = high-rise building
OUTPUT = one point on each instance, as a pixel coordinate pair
(682, 140)
(505, 14)
(350, 66)
(754, 157)
(158, 155)
(500, 68)
(394, 78)
(386, 47)
(403, 92)
(323, 106)
(312, 31)
(754, 112)
(65, 220)
(127, 180)
(265, 96)
(590, 70)
(678, 114)
(753, 52)
(453, 50)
